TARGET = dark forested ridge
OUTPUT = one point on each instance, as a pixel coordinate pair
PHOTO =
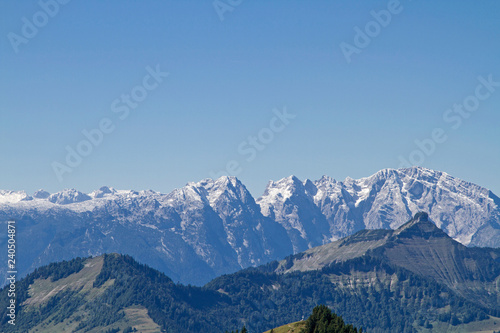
(368, 291)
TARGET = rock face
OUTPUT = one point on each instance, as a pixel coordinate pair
(214, 227)
(466, 212)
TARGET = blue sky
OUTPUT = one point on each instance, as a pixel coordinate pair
(225, 78)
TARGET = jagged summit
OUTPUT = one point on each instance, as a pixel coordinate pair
(389, 198)
(420, 225)
(234, 181)
(68, 196)
(103, 192)
(8, 197)
(283, 188)
(41, 194)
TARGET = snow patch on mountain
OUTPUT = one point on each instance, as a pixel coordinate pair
(12, 197)
(41, 194)
(212, 227)
(67, 197)
(384, 200)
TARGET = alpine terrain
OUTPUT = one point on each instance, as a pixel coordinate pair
(412, 279)
(214, 227)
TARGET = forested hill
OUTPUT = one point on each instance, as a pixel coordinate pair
(370, 290)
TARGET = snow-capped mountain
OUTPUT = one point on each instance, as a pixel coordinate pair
(192, 234)
(467, 212)
(213, 227)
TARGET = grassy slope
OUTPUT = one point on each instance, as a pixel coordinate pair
(42, 289)
(289, 328)
(485, 326)
(136, 317)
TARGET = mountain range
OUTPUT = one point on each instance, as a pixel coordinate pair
(213, 227)
(412, 279)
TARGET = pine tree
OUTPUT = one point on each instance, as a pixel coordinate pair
(322, 320)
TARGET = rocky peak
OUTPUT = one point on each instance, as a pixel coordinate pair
(102, 192)
(419, 226)
(227, 190)
(310, 187)
(41, 194)
(68, 197)
(13, 196)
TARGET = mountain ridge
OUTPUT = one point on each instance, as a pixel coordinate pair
(370, 290)
(215, 227)
(420, 247)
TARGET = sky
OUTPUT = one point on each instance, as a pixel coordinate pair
(156, 94)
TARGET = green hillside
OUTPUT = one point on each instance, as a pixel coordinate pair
(370, 290)
(289, 328)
